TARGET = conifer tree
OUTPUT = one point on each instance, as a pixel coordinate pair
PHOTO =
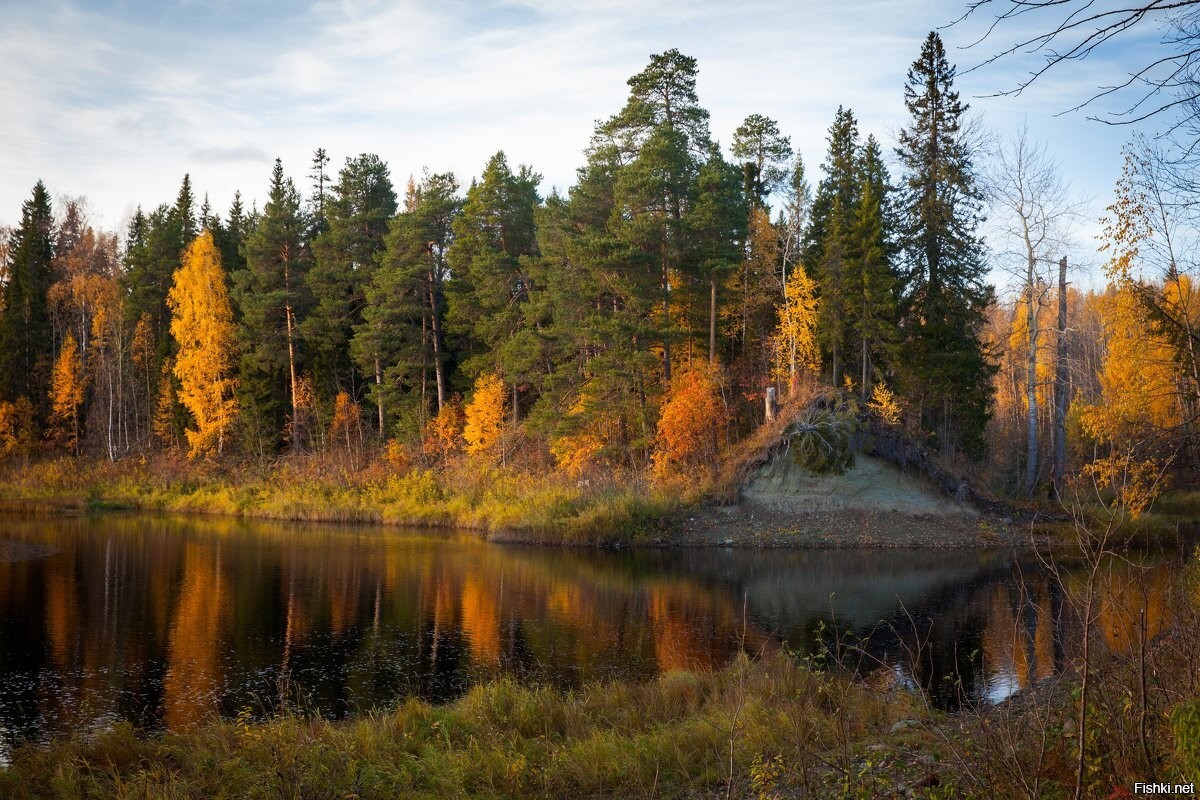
(494, 264)
(764, 153)
(401, 342)
(344, 259)
(945, 294)
(272, 298)
(203, 329)
(25, 340)
(659, 139)
(827, 243)
(871, 284)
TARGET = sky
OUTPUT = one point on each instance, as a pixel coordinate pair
(115, 100)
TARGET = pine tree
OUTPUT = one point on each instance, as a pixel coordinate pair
(25, 332)
(494, 264)
(944, 296)
(203, 329)
(659, 139)
(402, 338)
(272, 297)
(763, 152)
(344, 259)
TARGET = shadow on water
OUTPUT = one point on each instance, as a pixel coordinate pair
(166, 621)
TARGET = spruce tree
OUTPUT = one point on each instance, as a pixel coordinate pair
(826, 244)
(25, 334)
(271, 297)
(400, 344)
(344, 258)
(945, 294)
(870, 279)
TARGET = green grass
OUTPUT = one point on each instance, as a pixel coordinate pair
(668, 738)
(508, 504)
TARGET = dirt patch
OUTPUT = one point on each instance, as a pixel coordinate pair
(874, 504)
(12, 550)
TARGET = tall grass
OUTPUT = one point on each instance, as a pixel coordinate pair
(505, 503)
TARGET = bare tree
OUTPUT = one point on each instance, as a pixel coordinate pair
(1035, 213)
(1063, 31)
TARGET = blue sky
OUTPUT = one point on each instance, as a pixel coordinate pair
(116, 100)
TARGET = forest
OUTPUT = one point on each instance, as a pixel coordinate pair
(631, 327)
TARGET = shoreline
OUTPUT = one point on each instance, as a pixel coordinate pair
(693, 526)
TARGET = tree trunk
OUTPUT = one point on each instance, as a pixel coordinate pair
(379, 392)
(712, 321)
(436, 329)
(1031, 433)
(1060, 382)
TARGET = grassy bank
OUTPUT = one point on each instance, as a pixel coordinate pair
(769, 728)
(509, 504)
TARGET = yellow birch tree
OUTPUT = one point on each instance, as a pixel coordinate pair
(202, 325)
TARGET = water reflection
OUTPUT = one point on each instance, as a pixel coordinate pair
(165, 621)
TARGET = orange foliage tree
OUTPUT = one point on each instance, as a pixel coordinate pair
(202, 325)
(690, 422)
(442, 434)
(485, 416)
(66, 392)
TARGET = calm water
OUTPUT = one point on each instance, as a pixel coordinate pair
(166, 621)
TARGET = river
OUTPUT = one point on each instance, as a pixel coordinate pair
(165, 621)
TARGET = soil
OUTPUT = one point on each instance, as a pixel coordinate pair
(874, 504)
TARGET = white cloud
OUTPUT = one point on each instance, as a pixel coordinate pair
(117, 107)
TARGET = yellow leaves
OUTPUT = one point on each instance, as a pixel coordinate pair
(1135, 483)
(691, 418)
(885, 403)
(18, 430)
(485, 416)
(1127, 224)
(202, 325)
(66, 392)
(1138, 378)
(576, 454)
(795, 336)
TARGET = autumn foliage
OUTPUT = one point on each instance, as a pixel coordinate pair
(796, 334)
(203, 328)
(66, 393)
(485, 416)
(691, 420)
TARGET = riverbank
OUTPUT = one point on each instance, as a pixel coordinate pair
(774, 727)
(502, 504)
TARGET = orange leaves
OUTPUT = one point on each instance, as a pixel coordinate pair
(485, 416)
(202, 325)
(691, 419)
(442, 434)
(66, 392)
